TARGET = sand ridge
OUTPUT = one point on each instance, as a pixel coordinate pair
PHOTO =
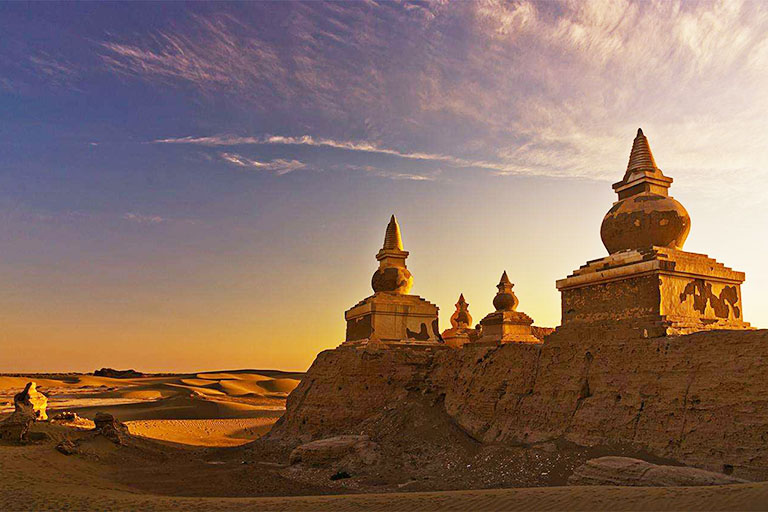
(240, 404)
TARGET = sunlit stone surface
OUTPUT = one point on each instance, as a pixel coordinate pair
(506, 325)
(391, 315)
(461, 331)
(648, 285)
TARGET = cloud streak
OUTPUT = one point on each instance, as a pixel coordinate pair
(278, 166)
(500, 168)
(139, 218)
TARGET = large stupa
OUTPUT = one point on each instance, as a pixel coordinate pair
(391, 315)
(648, 285)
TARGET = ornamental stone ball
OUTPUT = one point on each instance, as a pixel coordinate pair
(645, 215)
(505, 299)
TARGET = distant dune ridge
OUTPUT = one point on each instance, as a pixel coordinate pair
(239, 405)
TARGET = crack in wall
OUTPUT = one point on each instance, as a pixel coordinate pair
(637, 419)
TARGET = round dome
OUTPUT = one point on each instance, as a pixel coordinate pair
(505, 302)
(645, 220)
(392, 279)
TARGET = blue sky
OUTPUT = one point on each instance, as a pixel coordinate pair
(176, 176)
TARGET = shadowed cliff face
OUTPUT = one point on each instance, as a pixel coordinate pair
(700, 399)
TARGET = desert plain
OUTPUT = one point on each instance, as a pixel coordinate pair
(192, 443)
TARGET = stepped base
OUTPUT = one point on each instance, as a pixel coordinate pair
(653, 292)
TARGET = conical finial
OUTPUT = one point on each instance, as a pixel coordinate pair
(505, 299)
(461, 317)
(392, 239)
(392, 275)
(641, 157)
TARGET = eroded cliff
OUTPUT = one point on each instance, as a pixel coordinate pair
(698, 399)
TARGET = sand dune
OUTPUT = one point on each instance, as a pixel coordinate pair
(206, 432)
(220, 396)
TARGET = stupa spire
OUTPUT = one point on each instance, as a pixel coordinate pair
(641, 157)
(392, 239)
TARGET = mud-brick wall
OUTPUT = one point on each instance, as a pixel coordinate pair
(701, 399)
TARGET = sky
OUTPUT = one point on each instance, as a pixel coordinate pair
(192, 186)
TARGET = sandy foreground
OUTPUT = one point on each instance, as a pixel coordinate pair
(41, 479)
(193, 432)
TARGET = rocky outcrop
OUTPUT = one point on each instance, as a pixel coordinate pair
(335, 449)
(15, 428)
(625, 471)
(345, 386)
(29, 406)
(700, 399)
(31, 400)
(66, 447)
(109, 427)
(71, 419)
(118, 374)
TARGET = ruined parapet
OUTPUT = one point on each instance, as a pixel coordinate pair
(395, 316)
(647, 285)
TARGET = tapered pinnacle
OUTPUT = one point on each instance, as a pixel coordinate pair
(392, 239)
(641, 156)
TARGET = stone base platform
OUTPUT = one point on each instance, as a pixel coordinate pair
(393, 318)
(502, 327)
(654, 292)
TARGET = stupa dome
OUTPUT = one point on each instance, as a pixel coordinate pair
(645, 214)
(505, 299)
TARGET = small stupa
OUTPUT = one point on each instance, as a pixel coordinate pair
(461, 331)
(395, 317)
(506, 324)
(648, 285)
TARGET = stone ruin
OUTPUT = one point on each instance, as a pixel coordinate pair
(461, 331)
(652, 357)
(391, 316)
(647, 285)
(506, 324)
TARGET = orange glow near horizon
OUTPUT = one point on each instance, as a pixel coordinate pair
(188, 187)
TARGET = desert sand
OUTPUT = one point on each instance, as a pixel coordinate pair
(189, 450)
(39, 478)
(201, 409)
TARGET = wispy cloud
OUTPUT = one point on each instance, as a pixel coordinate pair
(545, 88)
(278, 166)
(143, 219)
(391, 175)
(501, 168)
(214, 53)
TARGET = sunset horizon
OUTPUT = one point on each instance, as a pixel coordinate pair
(157, 181)
(501, 254)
